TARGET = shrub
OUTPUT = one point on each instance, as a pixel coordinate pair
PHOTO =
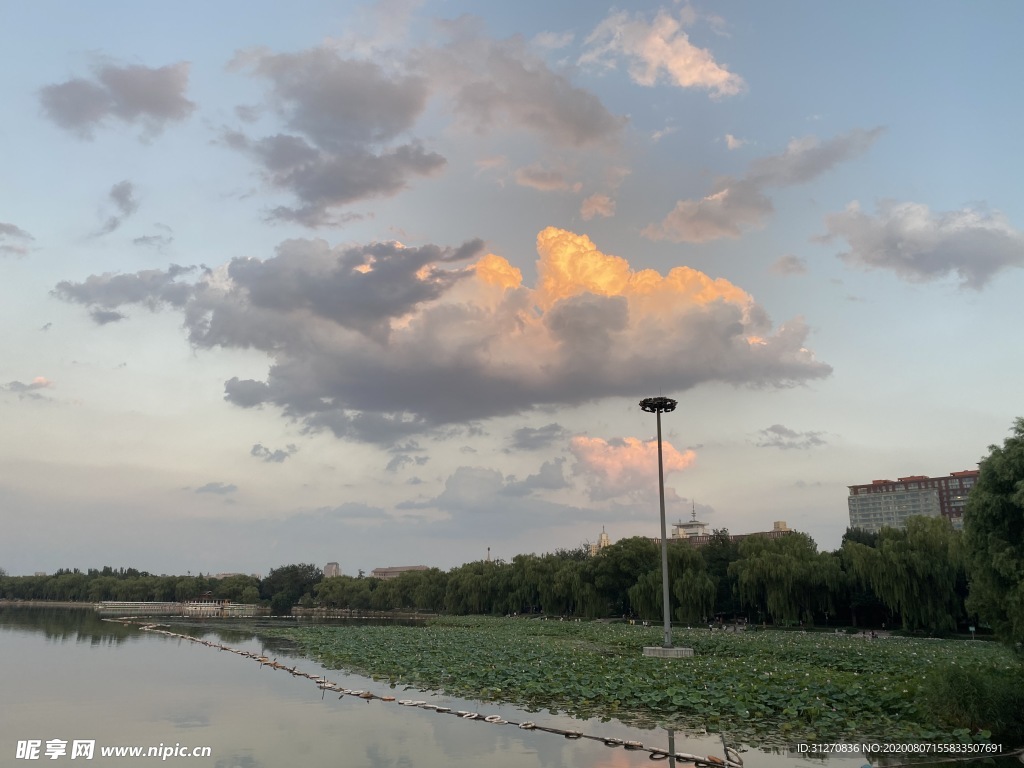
(978, 699)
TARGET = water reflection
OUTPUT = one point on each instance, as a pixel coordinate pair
(82, 625)
(121, 686)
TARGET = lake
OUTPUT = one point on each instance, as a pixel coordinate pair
(67, 675)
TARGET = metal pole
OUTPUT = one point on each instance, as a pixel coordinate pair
(667, 643)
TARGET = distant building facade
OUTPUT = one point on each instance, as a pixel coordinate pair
(888, 503)
(602, 542)
(695, 533)
(701, 538)
(394, 571)
(332, 569)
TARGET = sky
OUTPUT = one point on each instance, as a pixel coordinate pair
(384, 283)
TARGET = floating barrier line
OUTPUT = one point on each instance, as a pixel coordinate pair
(732, 758)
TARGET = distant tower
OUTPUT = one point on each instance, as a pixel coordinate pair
(692, 527)
(332, 569)
(602, 542)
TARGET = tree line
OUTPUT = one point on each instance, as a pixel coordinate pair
(926, 576)
(915, 576)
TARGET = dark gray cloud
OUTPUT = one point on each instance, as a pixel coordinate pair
(323, 181)
(134, 94)
(550, 477)
(536, 438)
(276, 456)
(105, 316)
(359, 288)
(381, 342)
(150, 287)
(919, 245)
(246, 393)
(737, 205)
(500, 83)
(337, 101)
(778, 436)
(32, 390)
(10, 232)
(217, 488)
(342, 116)
(479, 501)
(122, 195)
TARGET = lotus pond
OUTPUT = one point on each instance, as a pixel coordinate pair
(768, 687)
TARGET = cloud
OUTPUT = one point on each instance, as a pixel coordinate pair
(624, 466)
(122, 195)
(217, 488)
(537, 176)
(658, 50)
(536, 438)
(383, 341)
(276, 456)
(500, 84)
(778, 436)
(732, 142)
(131, 94)
(160, 242)
(552, 41)
(807, 158)
(323, 181)
(480, 501)
(150, 287)
(789, 265)
(106, 316)
(919, 245)
(550, 477)
(737, 205)
(597, 205)
(343, 116)
(11, 232)
(29, 390)
(403, 455)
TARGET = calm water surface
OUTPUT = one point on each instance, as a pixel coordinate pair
(68, 675)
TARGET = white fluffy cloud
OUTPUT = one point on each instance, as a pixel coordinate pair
(659, 50)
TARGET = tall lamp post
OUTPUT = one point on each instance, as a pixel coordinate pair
(659, 405)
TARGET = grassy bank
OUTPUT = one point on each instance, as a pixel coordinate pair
(768, 687)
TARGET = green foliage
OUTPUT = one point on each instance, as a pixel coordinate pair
(787, 578)
(285, 586)
(776, 687)
(994, 538)
(978, 698)
(914, 571)
(860, 536)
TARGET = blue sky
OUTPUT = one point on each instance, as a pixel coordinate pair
(384, 283)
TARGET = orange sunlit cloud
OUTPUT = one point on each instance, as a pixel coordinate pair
(440, 344)
(627, 465)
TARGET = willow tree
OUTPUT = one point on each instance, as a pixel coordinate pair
(786, 577)
(994, 538)
(914, 571)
